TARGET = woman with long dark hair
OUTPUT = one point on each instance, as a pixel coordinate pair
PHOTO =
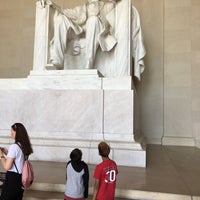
(12, 161)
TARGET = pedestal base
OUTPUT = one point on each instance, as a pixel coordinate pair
(63, 117)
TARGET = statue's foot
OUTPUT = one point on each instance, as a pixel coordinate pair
(56, 66)
(50, 67)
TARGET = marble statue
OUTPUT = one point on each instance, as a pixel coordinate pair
(101, 35)
(88, 20)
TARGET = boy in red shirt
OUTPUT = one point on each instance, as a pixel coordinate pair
(105, 175)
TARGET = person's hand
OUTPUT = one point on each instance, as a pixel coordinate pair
(3, 151)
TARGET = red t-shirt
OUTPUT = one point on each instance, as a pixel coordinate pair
(106, 173)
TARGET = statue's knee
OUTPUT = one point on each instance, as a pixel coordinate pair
(59, 19)
(93, 19)
(62, 22)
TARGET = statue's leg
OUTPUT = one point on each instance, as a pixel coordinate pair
(61, 34)
(93, 29)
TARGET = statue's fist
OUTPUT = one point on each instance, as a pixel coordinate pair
(42, 3)
(45, 2)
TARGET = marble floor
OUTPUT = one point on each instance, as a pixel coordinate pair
(171, 173)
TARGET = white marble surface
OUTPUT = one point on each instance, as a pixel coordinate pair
(75, 79)
(59, 120)
(65, 79)
(66, 73)
(117, 83)
(52, 110)
(13, 84)
(118, 113)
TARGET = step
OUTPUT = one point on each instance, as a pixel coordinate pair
(37, 195)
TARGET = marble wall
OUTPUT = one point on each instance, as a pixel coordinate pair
(181, 72)
(169, 98)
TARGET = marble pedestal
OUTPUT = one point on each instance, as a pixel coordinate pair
(63, 110)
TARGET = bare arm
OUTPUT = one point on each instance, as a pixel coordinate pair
(6, 162)
(95, 189)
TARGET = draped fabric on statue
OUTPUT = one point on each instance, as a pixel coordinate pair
(106, 36)
(138, 49)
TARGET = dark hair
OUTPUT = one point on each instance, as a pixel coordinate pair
(22, 138)
(76, 155)
(104, 149)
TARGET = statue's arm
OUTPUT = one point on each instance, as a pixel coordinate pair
(42, 3)
(45, 2)
(77, 14)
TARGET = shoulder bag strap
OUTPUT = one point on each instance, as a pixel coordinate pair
(14, 161)
(16, 167)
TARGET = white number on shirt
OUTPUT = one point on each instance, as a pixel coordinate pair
(111, 176)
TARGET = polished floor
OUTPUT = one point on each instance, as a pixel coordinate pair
(170, 170)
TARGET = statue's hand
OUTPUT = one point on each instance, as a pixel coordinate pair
(45, 2)
(42, 3)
